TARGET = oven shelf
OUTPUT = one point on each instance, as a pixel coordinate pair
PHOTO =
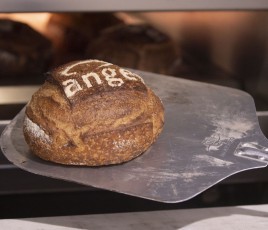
(137, 5)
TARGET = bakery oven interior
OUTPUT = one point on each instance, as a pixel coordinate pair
(228, 48)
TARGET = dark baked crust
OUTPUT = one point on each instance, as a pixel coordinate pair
(98, 125)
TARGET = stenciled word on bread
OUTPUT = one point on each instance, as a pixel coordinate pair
(72, 86)
(92, 113)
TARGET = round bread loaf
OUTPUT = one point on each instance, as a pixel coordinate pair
(140, 47)
(24, 54)
(92, 113)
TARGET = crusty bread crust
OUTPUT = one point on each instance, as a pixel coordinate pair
(93, 120)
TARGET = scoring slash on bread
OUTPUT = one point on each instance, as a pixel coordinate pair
(92, 113)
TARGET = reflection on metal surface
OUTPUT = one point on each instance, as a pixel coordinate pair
(252, 151)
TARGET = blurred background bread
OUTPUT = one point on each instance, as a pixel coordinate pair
(226, 48)
(25, 54)
(138, 46)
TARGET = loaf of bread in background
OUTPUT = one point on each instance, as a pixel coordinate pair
(92, 113)
(25, 54)
(138, 46)
(71, 32)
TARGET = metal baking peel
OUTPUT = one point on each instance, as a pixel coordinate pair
(210, 133)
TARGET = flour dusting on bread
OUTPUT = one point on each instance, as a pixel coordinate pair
(36, 130)
(88, 75)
